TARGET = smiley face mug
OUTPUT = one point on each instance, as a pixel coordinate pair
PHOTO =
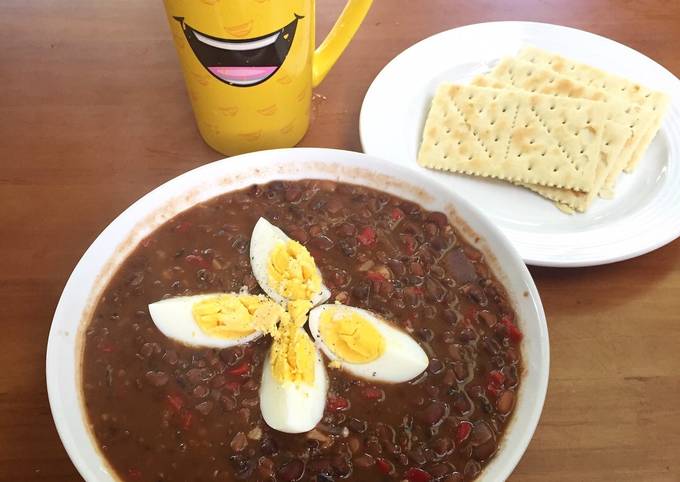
(250, 66)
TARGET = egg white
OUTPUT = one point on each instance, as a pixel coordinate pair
(262, 242)
(402, 360)
(174, 318)
(293, 407)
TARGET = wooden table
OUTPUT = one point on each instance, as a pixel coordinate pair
(93, 114)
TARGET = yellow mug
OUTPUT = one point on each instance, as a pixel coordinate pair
(250, 66)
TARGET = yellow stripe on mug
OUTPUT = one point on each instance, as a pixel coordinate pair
(246, 63)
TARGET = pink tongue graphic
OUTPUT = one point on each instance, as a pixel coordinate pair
(242, 74)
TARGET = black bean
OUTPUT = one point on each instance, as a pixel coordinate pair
(348, 246)
(455, 477)
(321, 242)
(505, 402)
(436, 292)
(472, 469)
(364, 461)
(475, 293)
(460, 403)
(441, 447)
(232, 356)
(291, 471)
(433, 413)
(356, 425)
(157, 378)
(204, 408)
(268, 446)
(435, 366)
(342, 467)
(438, 218)
(362, 290)
(200, 391)
(243, 466)
(417, 456)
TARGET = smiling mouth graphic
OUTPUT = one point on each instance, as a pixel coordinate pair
(241, 63)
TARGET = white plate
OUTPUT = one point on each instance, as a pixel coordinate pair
(645, 213)
(95, 268)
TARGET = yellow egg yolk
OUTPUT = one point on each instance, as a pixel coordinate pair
(232, 316)
(292, 355)
(292, 271)
(351, 336)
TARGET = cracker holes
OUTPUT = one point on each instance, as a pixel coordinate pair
(578, 107)
(551, 80)
(543, 154)
(495, 139)
(530, 168)
(470, 157)
(555, 169)
(564, 121)
(504, 109)
(552, 107)
(532, 141)
(448, 131)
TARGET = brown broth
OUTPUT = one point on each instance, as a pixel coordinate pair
(162, 411)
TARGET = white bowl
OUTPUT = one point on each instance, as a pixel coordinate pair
(99, 262)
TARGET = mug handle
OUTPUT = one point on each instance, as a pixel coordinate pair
(337, 39)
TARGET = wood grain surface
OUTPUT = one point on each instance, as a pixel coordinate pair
(93, 114)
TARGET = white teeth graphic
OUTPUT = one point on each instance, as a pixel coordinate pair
(252, 45)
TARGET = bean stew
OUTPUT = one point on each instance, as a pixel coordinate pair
(162, 411)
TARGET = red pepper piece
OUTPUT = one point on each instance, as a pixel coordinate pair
(197, 260)
(337, 404)
(496, 377)
(514, 333)
(384, 466)
(175, 402)
(396, 214)
(375, 276)
(367, 236)
(185, 420)
(106, 347)
(415, 474)
(463, 432)
(493, 390)
(409, 243)
(183, 227)
(239, 370)
(373, 393)
(134, 473)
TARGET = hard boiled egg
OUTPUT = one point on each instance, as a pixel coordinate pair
(284, 268)
(366, 345)
(218, 320)
(294, 382)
